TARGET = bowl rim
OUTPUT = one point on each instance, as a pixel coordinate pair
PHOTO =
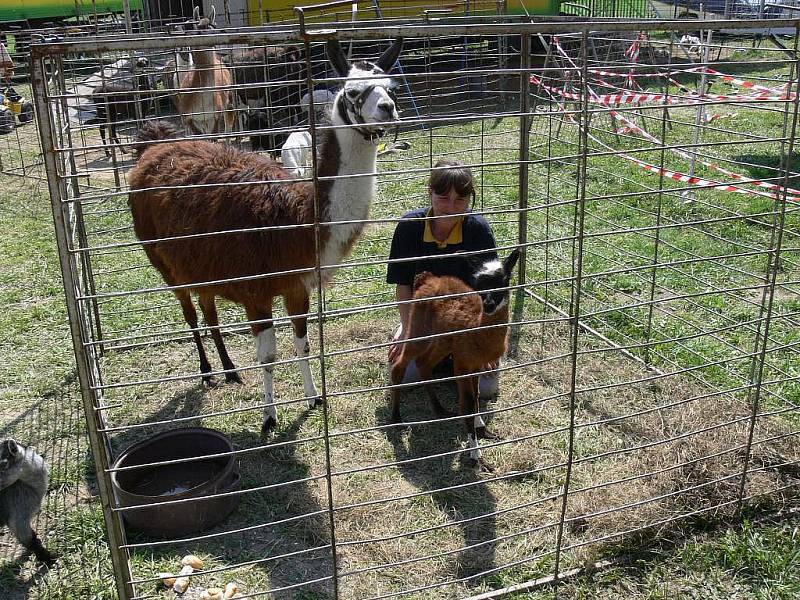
(220, 478)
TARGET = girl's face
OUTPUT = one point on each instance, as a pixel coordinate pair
(449, 203)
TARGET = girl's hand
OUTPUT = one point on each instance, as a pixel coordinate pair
(395, 349)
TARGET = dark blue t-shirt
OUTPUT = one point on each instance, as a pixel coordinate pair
(408, 242)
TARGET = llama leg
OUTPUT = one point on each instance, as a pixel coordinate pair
(113, 133)
(396, 373)
(42, 553)
(103, 139)
(295, 306)
(426, 373)
(192, 127)
(209, 308)
(22, 530)
(481, 430)
(302, 350)
(412, 351)
(468, 404)
(190, 315)
(266, 351)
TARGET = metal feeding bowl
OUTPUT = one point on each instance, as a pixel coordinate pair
(155, 485)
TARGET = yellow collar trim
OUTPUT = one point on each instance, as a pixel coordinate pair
(455, 236)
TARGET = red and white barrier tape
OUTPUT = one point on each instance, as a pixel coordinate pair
(779, 91)
(705, 183)
(630, 126)
(645, 97)
(694, 180)
(742, 82)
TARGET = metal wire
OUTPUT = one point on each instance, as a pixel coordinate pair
(652, 337)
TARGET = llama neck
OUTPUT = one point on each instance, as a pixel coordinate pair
(204, 59)
(346, 152)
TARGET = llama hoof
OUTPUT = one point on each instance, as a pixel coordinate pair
(443, 413)
(399, 425)
(484, 433)
(47, 558)
(481, 465)
(314, 402)
(209, 382)
(233, 377)
(398, 422)
(268, 426)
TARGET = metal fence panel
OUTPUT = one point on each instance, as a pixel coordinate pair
(651, 373)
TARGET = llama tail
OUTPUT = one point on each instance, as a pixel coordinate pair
(153, 131)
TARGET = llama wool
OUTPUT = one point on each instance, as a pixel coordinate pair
(173, 213)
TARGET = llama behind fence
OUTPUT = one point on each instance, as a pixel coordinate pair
(208, 105)
(122, 101)
(258, 70)
(487, 306)
(182, 209)
(268, 82)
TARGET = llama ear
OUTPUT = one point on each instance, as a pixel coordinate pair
(388, 59)
(475, 262)
(337, 58)
(11, 447)
(511, 261)
(196, 14)
(212, 16)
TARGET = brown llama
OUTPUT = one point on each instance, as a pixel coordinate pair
(170, 206)
(208, 107)
(483, 305)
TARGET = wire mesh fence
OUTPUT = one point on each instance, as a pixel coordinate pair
(651, 374)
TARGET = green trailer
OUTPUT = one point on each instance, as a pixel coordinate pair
(36, 12)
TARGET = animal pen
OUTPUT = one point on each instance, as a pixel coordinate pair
(651, 381)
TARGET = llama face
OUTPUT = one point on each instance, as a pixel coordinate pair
(367, 99)
(491, 280)
(199, 23)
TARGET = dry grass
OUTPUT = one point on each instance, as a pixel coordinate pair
(408, 512)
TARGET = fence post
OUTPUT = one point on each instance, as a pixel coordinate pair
(575, 304)
(761, 340)
(100, 451)
(320, 302)
(524, 150)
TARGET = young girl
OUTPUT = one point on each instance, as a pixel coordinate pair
(431, 233)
